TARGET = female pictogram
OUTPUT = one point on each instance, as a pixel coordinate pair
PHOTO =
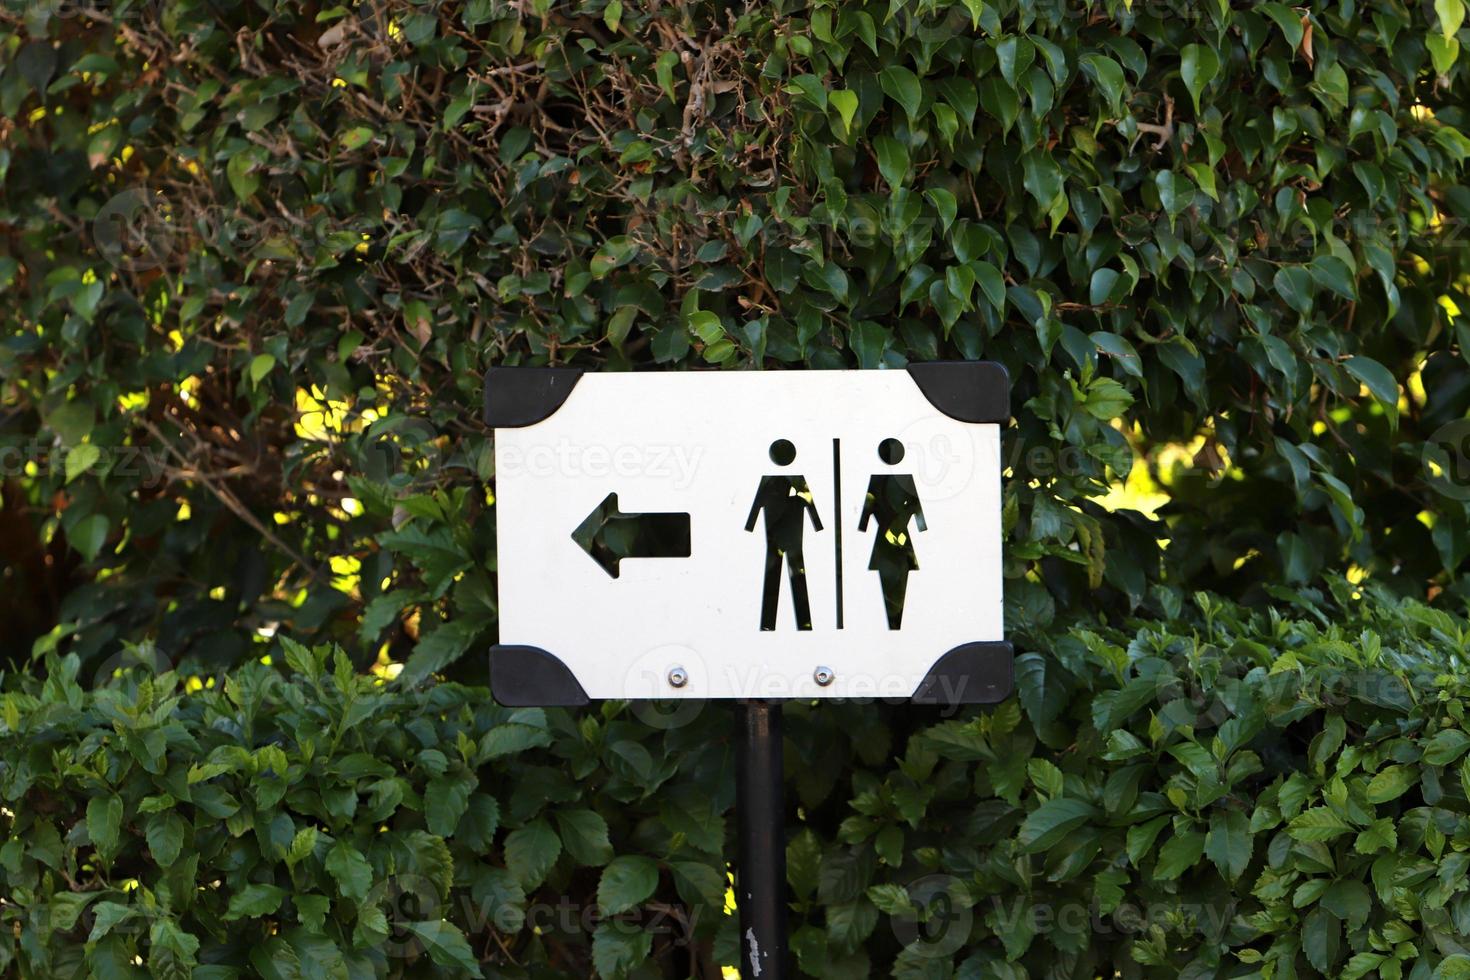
(893, 504)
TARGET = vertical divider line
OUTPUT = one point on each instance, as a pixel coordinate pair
(837, 519)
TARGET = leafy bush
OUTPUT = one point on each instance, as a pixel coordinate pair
(257, 253)
(1230, 793)
(1236, 231)
(322, 824)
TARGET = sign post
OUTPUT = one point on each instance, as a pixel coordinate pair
(755, 537)
(760, 876)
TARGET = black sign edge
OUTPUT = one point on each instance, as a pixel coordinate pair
(972, 673)
(978, 392)
(529, 677)
(521, 396)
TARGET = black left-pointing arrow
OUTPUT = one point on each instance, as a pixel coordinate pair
(609, 535)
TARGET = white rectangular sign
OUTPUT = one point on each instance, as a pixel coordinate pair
(749, 534)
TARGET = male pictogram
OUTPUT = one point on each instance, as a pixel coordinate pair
(785, 500)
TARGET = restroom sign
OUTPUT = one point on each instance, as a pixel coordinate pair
(770, 535)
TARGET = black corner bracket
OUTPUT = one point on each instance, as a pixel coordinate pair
(974, 673)
(969, 391)
(529, 677)
(516, 396)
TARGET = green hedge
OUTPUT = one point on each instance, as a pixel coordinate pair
(256, 254)
(1230, 794)
(1236, 229)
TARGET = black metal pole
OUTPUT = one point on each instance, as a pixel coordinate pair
(760, 876)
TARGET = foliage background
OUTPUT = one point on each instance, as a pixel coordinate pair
(257, 255)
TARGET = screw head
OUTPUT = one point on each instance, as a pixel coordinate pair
(823, 676)
(678, 677)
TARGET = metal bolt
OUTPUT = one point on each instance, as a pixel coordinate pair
(823, 676)
(678, 677)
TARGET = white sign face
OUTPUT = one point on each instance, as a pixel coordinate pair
(748, 534)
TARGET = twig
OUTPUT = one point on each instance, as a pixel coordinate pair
(1165, 132)
(228, 498)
